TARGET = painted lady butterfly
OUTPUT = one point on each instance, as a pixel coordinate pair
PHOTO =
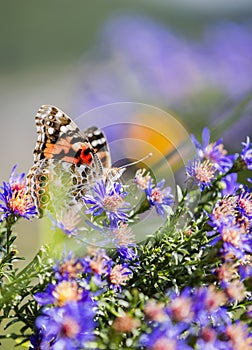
(67, 162)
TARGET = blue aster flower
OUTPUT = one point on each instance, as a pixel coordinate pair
(127, 253)
(236, 240)
(118, 276)
(202, 174)
(62, 293)
(159, 197)
(14, 200)
(244, 203)
(108, 201)
(214, 152)
(69, 327)
(69, 268)
(67, 220)
(193, 317)
(246, 153)
(98, 265)
(165, 336)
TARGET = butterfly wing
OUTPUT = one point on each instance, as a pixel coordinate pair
(63, 159)
(99, 143)
(60, 138)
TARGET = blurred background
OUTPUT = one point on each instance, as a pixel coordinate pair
(191, 58)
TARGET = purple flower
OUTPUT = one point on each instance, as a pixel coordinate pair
(229, 184)
(15, 200)
(69, 327)
(62, 293)
(127, 253)
(245, 269)
(159, 197)
(244, 204)
(195, 316)
(235, 239)
(201, 173)
(98, 264)
(67, 220)
(111, 201)
(118, 276)
(214, 152)
(69, 269)
(246, 153)
(164, 337)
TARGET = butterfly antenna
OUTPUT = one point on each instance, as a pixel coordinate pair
(136, 162)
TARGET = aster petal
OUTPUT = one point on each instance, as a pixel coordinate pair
(205, 137)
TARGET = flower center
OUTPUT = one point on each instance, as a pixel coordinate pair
(112, 203)
(157, 195)
(165, 344)
(70, 328)
(181, 309)
(246, 204)
(119, 275)
(231, 235)
(204, 172)
(142, 180)
(66, 291)
(19, 202)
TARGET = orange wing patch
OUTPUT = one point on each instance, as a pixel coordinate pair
(51, 149)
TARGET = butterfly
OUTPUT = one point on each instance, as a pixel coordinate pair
(67, 161)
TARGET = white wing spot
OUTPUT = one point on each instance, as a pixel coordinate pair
(59, 114)
(63, 128)
(94, 143)
(50, 131)
(97, 132)
(102, 141)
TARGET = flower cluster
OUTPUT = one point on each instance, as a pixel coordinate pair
(231, 222)
(158, 197)
(186, 287)
(66, 319)
(14, 200)
(194, 319)
(214, 152)
(109, 201)
(104, 271)
(212, 160)
(68, 304)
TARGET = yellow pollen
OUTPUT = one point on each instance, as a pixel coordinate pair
(232, 236)
(66, 291)
(165, 344)
(181, 309)
(19, 202)
(204, 172)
